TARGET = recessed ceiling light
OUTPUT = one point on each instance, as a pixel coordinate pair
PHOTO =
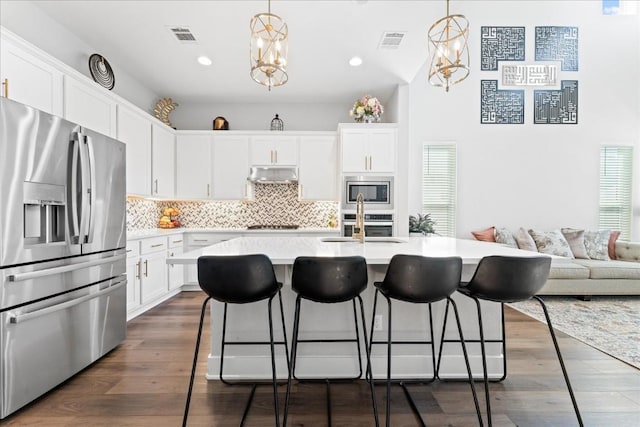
(355, 61)
(203, 60)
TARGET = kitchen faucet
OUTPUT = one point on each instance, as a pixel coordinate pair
(358, 228)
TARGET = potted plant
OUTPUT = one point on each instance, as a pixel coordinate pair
(421, 224)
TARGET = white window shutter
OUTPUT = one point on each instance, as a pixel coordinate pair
(616, 177)
(439, 186)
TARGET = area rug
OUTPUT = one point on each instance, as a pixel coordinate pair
(610, 324)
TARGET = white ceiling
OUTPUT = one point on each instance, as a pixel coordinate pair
(134, 36)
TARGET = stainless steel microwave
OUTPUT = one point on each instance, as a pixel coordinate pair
(377, 192)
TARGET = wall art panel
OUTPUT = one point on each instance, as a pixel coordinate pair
(558, 44)
(500, 106)
(557, 106)
(500, 44)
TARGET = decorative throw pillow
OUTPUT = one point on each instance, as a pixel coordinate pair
(505, 237)
(597, 244)
(612, 244)
(576, 242)
(524, 240)
(487, 235)
(551, 243)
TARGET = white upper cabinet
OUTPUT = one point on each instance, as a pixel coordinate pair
(28, 79)
(318, 158)
(230, 167)
(272, 150)
(89, 105)
(134, 129)
(163, 151)
(368, 149)
(193, 166)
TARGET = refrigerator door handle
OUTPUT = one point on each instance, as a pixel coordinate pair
(18, 318)
(84, 189)
(92, 190)
(73, 193)
(19, 277)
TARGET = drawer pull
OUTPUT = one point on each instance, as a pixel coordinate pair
(200, 240)
(177, 241)
(158, 245)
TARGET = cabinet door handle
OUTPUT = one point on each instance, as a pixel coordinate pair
(155, 182)
(365, 163)
(208, 190)
(5, 83)
(370, 163)
(146, 268)
(138, 268)
(276, 151)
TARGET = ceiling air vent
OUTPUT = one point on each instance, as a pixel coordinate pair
(183, 34)
(391, 39)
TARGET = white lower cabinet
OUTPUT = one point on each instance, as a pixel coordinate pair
(148, 276)
(133, 275)
(175, 271)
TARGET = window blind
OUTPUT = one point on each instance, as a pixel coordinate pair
(439, 186)
(616, 176)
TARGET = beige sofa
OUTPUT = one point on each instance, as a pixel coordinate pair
(587, 277)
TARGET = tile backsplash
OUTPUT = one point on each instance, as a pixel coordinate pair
(273, 204)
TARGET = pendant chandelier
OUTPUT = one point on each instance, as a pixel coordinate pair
(448, 50)
(268, 49)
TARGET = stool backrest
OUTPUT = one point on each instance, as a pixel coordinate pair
(329, 279)
(237, 279)
(508, 278)
(420, 279)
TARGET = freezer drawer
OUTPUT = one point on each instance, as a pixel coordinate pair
(43, 347)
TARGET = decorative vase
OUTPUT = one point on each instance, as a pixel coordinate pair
(368, 119)
(415, 234)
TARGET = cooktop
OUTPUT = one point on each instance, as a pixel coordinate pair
(273, 227)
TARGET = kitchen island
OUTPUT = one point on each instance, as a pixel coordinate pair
(335, 321)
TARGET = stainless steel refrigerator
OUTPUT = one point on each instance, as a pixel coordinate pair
(62, 251)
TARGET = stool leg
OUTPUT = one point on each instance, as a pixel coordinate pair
(564, 370)
(444, 328)
(284, 331)
(466, 360)
(368, 374)
(433, 344)
(355, 318)
(195, 361)
(224, 332)
(484, 362)
(373, 318)
(273, 364)
(294, 348)
(388, 403)
(504, 344)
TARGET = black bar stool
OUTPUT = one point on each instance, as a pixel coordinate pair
(239, 279)
(329, 280)
(420, 280)
(506, 279)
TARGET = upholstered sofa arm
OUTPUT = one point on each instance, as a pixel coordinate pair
(628, 251)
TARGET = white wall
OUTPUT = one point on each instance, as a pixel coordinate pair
(543, 176)
(32, 24)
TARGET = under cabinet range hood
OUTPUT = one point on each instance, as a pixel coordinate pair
(273, 174)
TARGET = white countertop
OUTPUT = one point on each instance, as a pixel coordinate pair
(155, 232)
(284, 249)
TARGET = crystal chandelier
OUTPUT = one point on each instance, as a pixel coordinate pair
(268, 49)
(448, 51)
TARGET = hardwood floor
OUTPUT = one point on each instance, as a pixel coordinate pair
(143, 382)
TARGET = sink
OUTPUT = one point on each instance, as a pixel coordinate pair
(366, 239)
